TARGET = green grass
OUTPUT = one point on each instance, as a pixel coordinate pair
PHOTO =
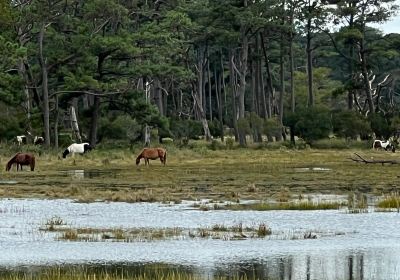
(200, 172)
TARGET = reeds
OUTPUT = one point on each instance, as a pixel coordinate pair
(390, 202)
(154, 272)
(264, 206)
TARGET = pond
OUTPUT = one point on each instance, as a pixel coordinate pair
(342, 245)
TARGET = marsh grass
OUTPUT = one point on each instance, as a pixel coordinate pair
(217, 231)
(389, 202)
(263, 206)
(229, 175)
(153, 272)
(357, 203)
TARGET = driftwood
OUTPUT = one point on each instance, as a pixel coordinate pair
(381, 161)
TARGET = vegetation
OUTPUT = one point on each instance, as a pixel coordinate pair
(156, 272)
(285, 206)
(197, 172)
(129, 71)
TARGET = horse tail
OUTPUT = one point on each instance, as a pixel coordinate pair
(32, 163)
(165, 157)
(11, 162)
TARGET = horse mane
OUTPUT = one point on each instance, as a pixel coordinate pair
(11, 162)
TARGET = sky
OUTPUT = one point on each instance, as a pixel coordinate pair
(392, 26)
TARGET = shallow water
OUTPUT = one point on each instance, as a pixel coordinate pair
(348, 246)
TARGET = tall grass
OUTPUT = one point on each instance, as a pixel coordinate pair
(285, 206)
(392, 201)
(83, 273)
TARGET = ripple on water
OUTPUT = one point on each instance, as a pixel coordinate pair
(370, 239)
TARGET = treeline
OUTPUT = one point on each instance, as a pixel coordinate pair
(108, 69)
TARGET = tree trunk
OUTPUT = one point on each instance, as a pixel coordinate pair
(309, 65)
(202, 117)
(350, 96)
(95, 120)
(56, 123)
(45, 89)
(282, 80)
(233, 92)
(147, 136)
(364, 71)
(292, 92)
(209, 87)
(74, 124)
(220, 105)
(270, 88)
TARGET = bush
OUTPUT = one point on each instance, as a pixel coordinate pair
(10, 127)
(121, 128)
(310, 123)
(350, 124)
(272, 128)
(186, 129)
(229, 143)
(216, 145)
(380, 126)
(215, 128)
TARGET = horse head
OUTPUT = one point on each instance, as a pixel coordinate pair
(65, 153)
(87, 148)
(138, 160)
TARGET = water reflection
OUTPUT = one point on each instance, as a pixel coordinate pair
(282, 268)
(367, 247)
(80, 174)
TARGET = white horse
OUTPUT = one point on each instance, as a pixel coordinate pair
(77, 148)
(21, 139)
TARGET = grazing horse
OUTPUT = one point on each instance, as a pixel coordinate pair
(77, 148)
(21, 159)
(387, 145)
(152, 153)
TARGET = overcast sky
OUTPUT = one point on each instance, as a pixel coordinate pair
(392, 26)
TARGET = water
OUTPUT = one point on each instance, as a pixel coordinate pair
(349, 246)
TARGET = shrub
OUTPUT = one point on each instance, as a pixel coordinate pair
(350, 124)
(310, 123)
(186, 128)
(229, 142)
(380, 126)
(121, 128)
(216, 145)
(272, 128)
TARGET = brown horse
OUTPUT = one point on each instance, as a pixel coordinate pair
(152, 153)
(21, 159)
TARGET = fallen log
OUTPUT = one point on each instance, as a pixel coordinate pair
(366, 161)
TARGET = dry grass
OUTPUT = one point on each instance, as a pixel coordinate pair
(201, 173)
(154, 272)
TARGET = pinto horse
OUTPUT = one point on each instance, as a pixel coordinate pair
(77, 148)
(387, 145)
(21, 159)
(152, 153)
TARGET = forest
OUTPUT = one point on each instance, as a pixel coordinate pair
(146, 70)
